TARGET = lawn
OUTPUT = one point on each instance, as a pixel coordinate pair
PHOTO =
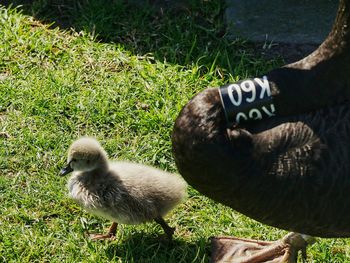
(120, 72)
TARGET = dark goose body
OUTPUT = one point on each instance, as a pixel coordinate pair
(288, 172)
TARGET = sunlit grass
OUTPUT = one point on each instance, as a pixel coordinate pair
(122, 74)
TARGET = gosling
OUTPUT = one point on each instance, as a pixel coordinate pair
(122, 192)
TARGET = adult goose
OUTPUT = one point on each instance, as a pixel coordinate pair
(297, 161)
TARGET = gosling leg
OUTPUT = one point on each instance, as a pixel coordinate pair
(169, 231)
(110, 235)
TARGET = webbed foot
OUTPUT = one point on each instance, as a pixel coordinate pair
(239, 250)
(110, 235)
(96, 237)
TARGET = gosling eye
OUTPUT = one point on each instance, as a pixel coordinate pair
(88, 161)
(73, 160)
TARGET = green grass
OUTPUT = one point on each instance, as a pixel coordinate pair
(121, 74)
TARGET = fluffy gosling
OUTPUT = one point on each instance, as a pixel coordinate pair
(122, 192)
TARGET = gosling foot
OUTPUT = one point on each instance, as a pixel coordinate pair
(96, 237)
(238, 250)
(169, 231)
(110, 235)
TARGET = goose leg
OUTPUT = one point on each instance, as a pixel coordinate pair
(110, 235)
(169, 231)
(231, 249)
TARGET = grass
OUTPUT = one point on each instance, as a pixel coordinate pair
(119, 72)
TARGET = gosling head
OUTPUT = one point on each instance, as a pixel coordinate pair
(85, 155)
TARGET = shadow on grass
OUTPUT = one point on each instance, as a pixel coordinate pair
(147, 248)
(179, 32)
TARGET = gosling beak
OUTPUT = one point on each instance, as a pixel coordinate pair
(66, 170)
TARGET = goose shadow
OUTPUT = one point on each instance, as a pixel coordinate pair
(142, 247)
